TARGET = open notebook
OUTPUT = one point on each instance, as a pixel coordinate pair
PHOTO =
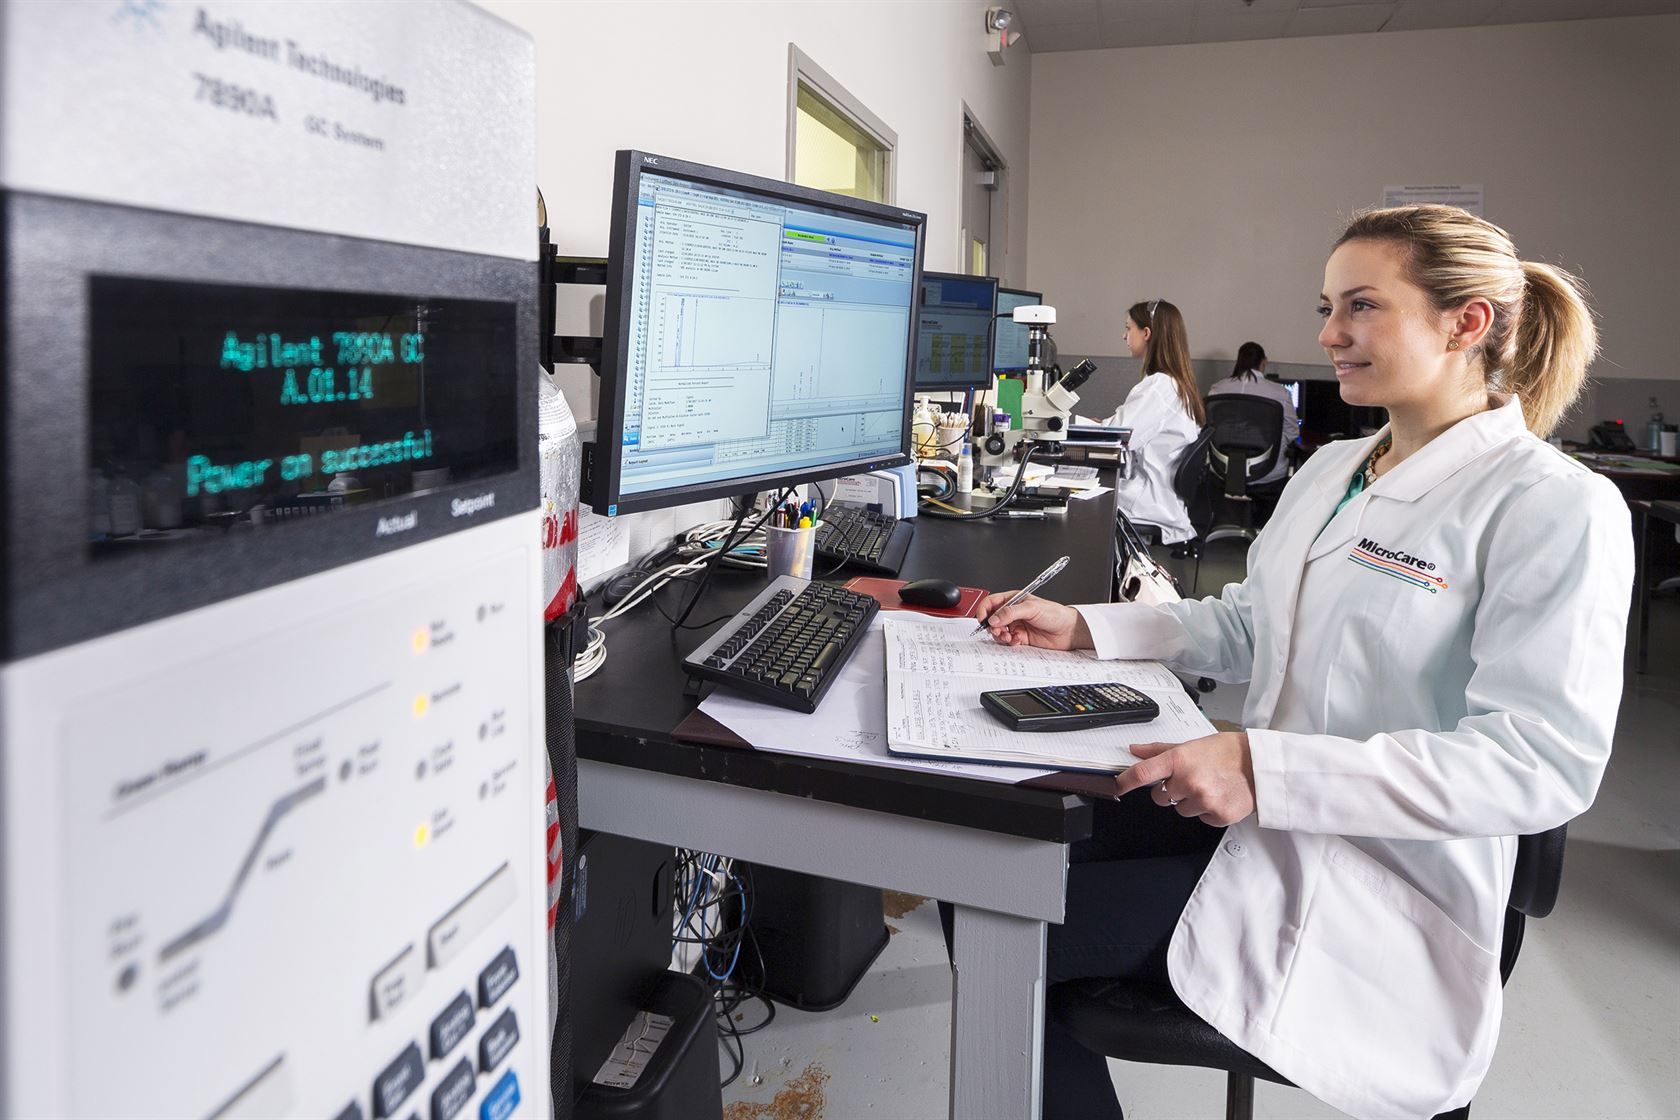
(937, 668)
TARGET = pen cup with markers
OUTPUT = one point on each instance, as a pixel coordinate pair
(791, 552)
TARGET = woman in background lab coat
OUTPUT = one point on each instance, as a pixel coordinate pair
(1164, 411)
(1432, 626)
(1248, 377)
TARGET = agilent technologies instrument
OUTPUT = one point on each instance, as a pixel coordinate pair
(271, 733)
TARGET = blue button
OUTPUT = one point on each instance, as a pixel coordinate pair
(503, 1099)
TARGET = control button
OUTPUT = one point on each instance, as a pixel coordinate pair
(498, 976)
(497, 1041)
(450, 1098)
(396, 983)
(503, 1099)
(449, 1028)
(470, 917)
(401, 1078)
(351, 1111)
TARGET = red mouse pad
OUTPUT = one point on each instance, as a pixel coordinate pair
(885, 592)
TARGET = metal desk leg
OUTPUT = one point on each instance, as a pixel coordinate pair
(997, 1016)
(1641, 584)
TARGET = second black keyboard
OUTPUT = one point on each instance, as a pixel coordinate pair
(786, 646)
(863, 538)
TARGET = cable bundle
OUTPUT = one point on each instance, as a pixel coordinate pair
(713, 906)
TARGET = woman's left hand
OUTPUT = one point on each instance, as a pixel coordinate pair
(1211, 778)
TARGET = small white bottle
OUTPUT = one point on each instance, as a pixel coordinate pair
(965, 471)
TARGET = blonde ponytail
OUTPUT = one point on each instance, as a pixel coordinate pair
(1553, 343)
(1542, 337)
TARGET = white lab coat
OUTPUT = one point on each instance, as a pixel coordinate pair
(1272, 391)
(1161, 430)
(1434, 674)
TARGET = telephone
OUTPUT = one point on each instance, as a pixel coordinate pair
(1609, 436)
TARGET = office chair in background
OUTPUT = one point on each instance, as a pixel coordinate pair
(1190, 483)
(1247, 444)
(1141, 1022)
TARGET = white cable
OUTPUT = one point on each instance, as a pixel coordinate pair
(697, 543)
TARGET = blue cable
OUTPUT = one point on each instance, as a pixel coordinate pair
(730, 971)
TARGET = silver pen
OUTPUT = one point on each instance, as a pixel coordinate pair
(1043, 578)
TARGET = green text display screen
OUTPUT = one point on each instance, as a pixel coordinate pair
(220, 408)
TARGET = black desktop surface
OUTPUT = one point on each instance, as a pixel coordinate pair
(627, 712)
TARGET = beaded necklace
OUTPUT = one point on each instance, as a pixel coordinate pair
(1369, 470)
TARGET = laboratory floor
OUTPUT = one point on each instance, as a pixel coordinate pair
(1592, 1012)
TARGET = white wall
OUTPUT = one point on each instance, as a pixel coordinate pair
(1217, 175)
(707, 81)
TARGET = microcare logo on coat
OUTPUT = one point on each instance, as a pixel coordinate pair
(1403, 566)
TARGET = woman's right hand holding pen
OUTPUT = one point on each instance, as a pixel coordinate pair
(1034, 622)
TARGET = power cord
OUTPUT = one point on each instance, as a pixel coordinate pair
(934, 508)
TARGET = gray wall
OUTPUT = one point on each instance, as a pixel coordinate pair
(1623, 399)
(1216, 175)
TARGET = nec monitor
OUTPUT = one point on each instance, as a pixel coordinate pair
(1010, 353)
(954, 332)
(758, 334)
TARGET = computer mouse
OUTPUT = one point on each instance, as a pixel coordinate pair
(930, 593)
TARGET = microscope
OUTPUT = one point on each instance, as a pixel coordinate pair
(1047, 401)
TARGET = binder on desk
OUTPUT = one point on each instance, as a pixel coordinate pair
(937, 669)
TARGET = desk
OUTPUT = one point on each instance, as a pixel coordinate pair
(1644, 514)
(997, 852)
(1654, 483)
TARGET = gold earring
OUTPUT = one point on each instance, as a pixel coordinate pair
(1452, 344)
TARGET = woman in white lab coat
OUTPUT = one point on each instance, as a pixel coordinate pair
(1248, 376)
(1164, 411)
(1432, 630)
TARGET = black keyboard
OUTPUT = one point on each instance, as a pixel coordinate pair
(862, 538)
(786, 646)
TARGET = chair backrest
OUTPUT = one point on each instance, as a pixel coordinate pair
(1246, 428)
(1539, 872)
(1190, 481)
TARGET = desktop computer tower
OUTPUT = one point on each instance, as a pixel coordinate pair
(621, 952)
(817, 937)
(272, 764)
(621, 940)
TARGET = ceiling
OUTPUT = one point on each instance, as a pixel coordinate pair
(1074, 25)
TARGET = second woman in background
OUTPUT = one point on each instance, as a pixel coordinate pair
(1248, 377)
(1164, 411)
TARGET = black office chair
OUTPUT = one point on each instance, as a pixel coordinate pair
(1190, 483)
(1247, 444)
(1140, 1022)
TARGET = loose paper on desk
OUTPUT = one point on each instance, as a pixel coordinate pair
(937, 669)
(850, 725)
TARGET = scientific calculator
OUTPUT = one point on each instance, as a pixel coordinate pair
(1069, 707)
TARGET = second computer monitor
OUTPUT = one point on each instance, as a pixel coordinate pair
(1010, 353)
(954, 338)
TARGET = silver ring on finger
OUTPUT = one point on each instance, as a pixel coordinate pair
(1171, 800)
